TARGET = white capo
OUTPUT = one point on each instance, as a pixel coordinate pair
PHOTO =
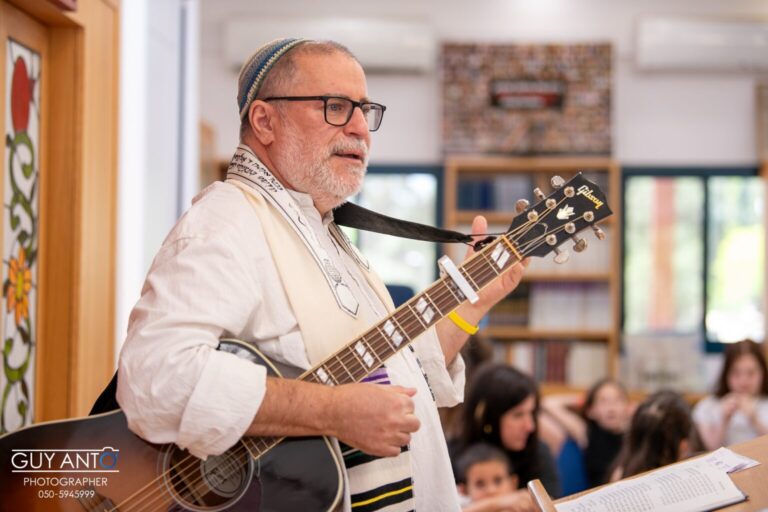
(448, 267)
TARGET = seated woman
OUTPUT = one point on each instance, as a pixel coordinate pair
(661, 432)
(500, 409)
(597, 426)
(738, 410)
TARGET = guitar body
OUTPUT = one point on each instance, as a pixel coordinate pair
(98, 464)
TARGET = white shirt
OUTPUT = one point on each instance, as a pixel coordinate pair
(709, 411)
(214, 277)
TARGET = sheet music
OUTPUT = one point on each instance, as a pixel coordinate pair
(694, 486)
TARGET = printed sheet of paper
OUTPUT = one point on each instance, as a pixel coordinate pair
(693, 486)
(729, 461)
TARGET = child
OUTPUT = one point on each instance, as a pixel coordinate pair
(660, 433)
(487, 482)
(738, 411)
(597, 426)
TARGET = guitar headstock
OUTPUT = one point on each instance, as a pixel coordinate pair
(571, 208)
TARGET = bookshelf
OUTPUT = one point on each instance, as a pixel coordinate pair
(562, 323)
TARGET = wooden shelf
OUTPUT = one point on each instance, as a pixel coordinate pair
(525, 333)
(464, 169)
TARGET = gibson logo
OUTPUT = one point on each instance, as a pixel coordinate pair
(585, 191)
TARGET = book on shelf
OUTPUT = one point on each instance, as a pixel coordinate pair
(692, 486)
(570, 362)
(493, 192)
(572, 306)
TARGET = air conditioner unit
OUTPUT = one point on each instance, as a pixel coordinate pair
(702, 45)
(380, 45)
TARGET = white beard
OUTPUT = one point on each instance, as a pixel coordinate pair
(309, 170)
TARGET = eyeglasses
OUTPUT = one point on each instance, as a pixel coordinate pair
(338, 110)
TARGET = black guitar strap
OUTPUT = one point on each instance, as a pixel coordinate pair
(353, 216)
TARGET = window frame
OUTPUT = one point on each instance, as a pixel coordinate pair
(705, 173)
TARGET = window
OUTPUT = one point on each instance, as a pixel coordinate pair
(694, 254)
(409, 193)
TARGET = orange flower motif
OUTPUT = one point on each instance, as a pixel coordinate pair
(20, 277)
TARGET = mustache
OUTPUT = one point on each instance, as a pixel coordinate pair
(348, 146)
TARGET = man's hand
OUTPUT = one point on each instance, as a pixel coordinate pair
(501, 287)
(373, 418)
(451, 337)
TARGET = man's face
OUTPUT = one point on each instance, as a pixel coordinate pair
(325, 161)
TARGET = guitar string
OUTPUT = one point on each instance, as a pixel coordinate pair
(384, 342)
(186, 496)
(381, 341)
(472, 262)
(376, 344)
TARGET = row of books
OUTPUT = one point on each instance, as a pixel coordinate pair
(501, 192)
(569, 362)
(570, 306)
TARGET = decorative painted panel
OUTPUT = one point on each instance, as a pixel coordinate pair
(20, 235)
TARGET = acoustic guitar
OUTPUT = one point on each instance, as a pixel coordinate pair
(98, 464)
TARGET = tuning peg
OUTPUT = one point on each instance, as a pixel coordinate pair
(580, 244)
(599, 233)
(557, 182)
(521, 205)
(539, 194)
(561, 255)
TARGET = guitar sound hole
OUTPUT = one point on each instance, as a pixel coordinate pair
(208, 485)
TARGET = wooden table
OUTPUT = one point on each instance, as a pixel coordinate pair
(753, 481)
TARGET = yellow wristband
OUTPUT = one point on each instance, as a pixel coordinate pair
(462, 324)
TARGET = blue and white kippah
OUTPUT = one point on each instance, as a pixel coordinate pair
(255, 70)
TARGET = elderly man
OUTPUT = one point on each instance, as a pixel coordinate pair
(259, 258)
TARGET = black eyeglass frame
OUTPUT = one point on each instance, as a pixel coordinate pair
(325, 99)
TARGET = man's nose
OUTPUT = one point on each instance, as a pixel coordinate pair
(357, 124)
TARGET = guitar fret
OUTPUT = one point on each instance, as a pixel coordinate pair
(450, 289)
(370, 347)
(418, 317)
(357, 356)
(401, 322)
(490, 263)
(439, 310)
(341, 362)
(386, 339)
(468, 276)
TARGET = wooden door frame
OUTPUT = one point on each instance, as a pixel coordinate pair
(78, 213)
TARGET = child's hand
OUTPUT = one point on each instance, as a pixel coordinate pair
(729, 404)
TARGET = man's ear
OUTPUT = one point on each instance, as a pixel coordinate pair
(462, 489)
(261, 116)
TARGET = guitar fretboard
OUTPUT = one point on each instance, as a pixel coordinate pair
(368, 352)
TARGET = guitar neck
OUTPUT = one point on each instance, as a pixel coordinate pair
(365, 354)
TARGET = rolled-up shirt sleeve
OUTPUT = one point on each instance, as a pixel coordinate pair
(447, 381)
(173, 385)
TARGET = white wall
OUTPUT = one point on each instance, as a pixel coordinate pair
(658, 118)
(158, 163)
